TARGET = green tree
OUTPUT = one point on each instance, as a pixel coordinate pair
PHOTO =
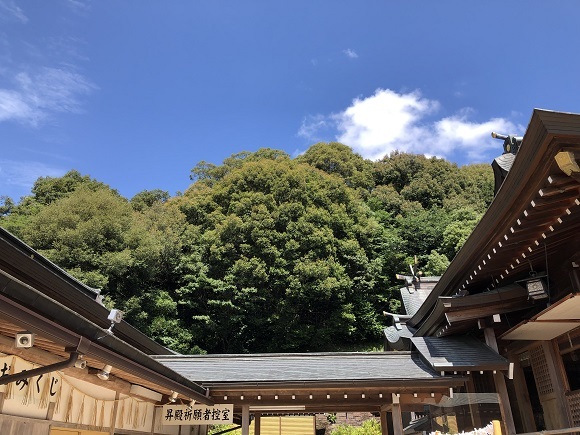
(146, 198)
(338, 159)
(279, 250)
(84, 233)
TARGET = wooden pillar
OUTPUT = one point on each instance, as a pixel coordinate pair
(203, 430)
(114, 411)
(384, 427)
(257, 429)
(153, 420)
(499, 380)
(473, 407)
(559, 383)
(397, 416)
(1, 402)
(524, 403)
(246, 420)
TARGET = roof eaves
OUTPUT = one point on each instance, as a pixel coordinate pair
(533, 157)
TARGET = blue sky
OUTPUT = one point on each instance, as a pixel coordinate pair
(136, 93)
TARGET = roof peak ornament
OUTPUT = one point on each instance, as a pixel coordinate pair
(501, 165)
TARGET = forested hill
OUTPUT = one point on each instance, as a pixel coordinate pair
(264, 253)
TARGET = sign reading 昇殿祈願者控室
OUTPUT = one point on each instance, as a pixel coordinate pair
(197, 414)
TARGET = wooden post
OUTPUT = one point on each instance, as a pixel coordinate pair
(473, 407)
(114, 411)
(384, 427)
(1, 402)
(257, 429)
(523, 396)
(397, 416)
(50, 410)
(246, 420)
(153, 420)
(559, 383)
(499, 380)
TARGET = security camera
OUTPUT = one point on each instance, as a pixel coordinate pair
(24, 339)
(115, 316)
(81, 364)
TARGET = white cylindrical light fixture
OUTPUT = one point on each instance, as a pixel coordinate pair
(103, 375)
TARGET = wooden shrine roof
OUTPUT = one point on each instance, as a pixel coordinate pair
(533, 220)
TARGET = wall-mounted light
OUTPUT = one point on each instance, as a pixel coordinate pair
(103, 375)
(173, 396)
(81, 363)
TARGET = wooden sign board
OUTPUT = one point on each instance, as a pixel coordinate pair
(197, 414)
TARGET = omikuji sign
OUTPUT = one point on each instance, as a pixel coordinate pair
(197, 415)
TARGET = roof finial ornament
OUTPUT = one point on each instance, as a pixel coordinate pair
(502, 164)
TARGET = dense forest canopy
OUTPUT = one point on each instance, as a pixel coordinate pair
(263, 253)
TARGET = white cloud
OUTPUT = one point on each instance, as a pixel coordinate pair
(387, 121)
(349, 52)
(36, 96)
(13, 11)
(79, 6)
(18, 177)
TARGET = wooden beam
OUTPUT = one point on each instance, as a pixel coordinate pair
(556, 201)
(550, 191)
(500, 386)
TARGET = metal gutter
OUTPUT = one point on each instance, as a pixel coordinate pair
(30, 267)
(101, 345)
(27, 374)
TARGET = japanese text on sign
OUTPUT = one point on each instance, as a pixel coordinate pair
(197, 415)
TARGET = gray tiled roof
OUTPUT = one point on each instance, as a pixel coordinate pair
(413, 297)
(320, 367)
(393, 334)
(459, 353)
